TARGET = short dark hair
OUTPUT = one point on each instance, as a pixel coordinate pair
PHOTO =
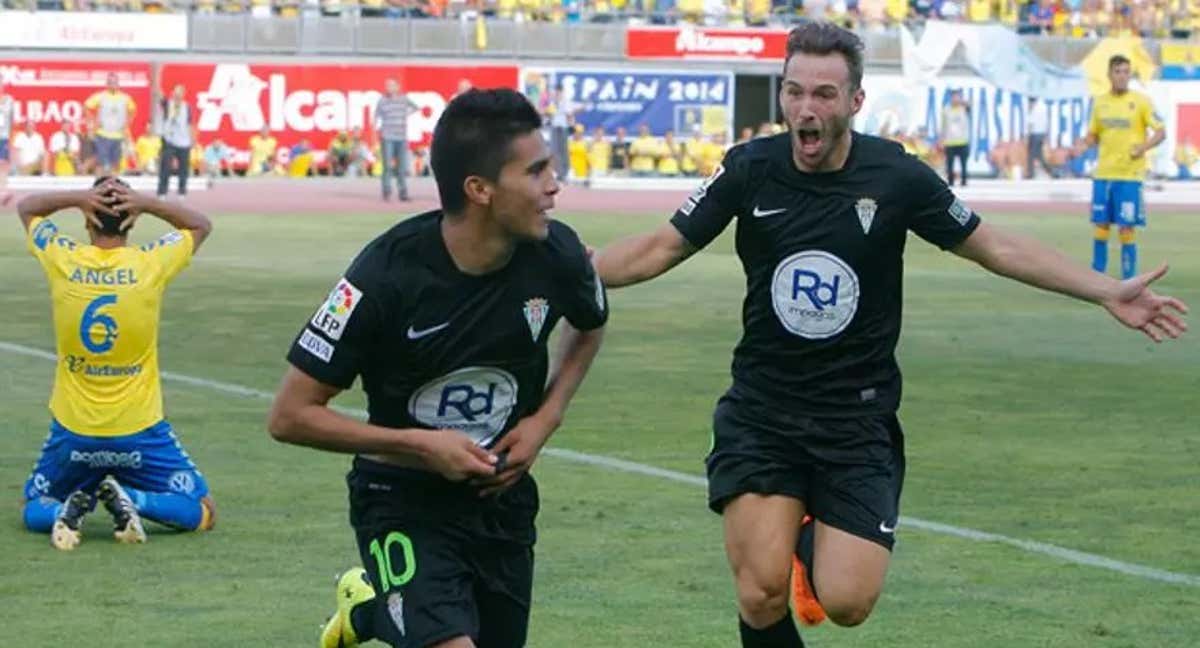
(473, 138)
(1117, 59)
(820, 37)
(110, 224)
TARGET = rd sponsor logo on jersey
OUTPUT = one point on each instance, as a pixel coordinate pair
(475, 400)
(535, 311)
(332, 316)
(815, 294)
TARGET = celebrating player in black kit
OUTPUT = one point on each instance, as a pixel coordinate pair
(809, 426)
(446, 317)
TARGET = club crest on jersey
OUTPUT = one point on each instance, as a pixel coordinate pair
(865, 207)
(536, 310)
(395, 606)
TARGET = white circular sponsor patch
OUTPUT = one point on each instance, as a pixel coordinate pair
(182, 482)
(815, 294)
(475, 400)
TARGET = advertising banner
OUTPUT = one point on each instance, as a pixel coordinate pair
(87, 30)
(679, 101)
(313, 102)
(689, 42)
(894, 106)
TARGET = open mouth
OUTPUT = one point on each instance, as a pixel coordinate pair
(810, 140)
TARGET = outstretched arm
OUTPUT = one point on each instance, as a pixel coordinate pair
(1031, 262)
(641, 257)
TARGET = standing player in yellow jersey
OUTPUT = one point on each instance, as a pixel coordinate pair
(108, 438)
(1119, 123)
(114, 111)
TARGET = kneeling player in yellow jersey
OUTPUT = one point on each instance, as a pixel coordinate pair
(108, 439)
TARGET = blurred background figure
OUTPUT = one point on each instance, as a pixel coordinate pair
(956, 136)
(176, 125)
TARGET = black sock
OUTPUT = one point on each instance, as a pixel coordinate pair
(362, 620)
(781, 634)
(804, 551)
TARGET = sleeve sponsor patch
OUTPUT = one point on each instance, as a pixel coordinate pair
(313, 343)
(599, 291)
(693, 200)
(959, 212)
(42, 234)
(170, 238)
(332, 316)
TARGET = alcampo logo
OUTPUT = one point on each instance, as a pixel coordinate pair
(235, 92)
(695, 40)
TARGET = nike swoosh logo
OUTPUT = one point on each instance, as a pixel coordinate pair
(414, 334)
(884, 528)
(759, 213)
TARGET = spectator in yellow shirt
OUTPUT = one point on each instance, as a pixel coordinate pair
(980, 10)
(146, 151)
(712, 154)
(599, 153)
(693, 148)
(669, 153)
(262, 153)
(643, 152)
(577, 154)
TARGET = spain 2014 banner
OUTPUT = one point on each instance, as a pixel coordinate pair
(314, 102)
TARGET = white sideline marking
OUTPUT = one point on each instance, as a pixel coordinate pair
(1061, 553)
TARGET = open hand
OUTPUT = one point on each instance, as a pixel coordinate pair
(125, 200)
(93, 202)
(1138, 307)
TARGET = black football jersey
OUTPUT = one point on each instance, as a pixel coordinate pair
(823, 259)
(437, 348)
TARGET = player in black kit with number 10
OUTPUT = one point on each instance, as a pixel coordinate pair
(808, 430)
(446, 318)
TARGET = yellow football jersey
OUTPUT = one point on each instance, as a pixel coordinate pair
(1119, 123)
(114, 110)
(106, 308)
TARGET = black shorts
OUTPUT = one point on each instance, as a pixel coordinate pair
(443, 562)
(848, 472)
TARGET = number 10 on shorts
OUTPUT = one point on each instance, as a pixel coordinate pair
(383, 553)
